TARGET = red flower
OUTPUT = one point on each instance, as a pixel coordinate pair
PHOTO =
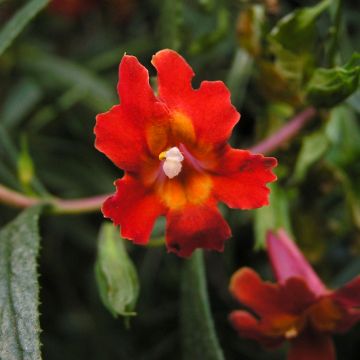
(299, 308)
(177, 163)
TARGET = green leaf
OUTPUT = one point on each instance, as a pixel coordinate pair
(312, 149)
(69, 75)
(212, 38)
(198, 332)
(296, 31)
(239, 75)
(343, 156)
(343, 132)
(21, 100)
(329, 87)
(273, 216)
(169, 24)
(19, 290)
(115, 273)
(17, 23)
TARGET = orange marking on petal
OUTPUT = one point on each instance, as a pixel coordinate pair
(182, 128)
(157, 138)
(198, 188)
(285, 324)
(195, 190)
(173, 194)
(325, 314)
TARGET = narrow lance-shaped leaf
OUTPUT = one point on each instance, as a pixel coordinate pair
(21, 99)
(63, 73)
(115, 273)
(169, 23)
(19, 290)
(198, 332)
(273, 216)
(17, 23)
(343, 132)
(313, 148)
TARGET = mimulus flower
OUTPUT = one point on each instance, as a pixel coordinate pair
(299, 308)
(174, 152)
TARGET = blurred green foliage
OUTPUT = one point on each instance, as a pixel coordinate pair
(59, 69)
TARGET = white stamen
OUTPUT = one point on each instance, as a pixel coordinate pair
(172, 164)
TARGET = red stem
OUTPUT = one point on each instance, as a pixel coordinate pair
(287, 132)
(91, 204)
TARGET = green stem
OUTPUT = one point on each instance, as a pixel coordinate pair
(198, 330)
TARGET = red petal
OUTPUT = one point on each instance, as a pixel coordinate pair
(133, 87)
(119, 138)
(196, 226)
(270, 300)
(349, 294)
(348, 297)
(241, 178)
(249, 289)
(249, 327)
(134, 208)
(312, 346)
(287, 261)
(121, 132)
(209, 107)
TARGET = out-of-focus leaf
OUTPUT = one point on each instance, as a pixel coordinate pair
(239, 76)
(296, 31)
(17, 23)
(198, 332)
(69, 75)
(21, 99)
(19, 290)
(352, 191)
(115, 273)
(170, 22)
(281, 81)
(329, 87)
(7, 148)
(312, 149)
(110, 58)
(208, 40)
(354, 101)
(274, 216)
(343, 132)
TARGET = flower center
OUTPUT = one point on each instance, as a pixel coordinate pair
(172, 164)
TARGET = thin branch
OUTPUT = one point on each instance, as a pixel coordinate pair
(57, 206)
(92, 204)
(15, 199)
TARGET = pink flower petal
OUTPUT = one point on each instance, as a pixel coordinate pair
(287, 261)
